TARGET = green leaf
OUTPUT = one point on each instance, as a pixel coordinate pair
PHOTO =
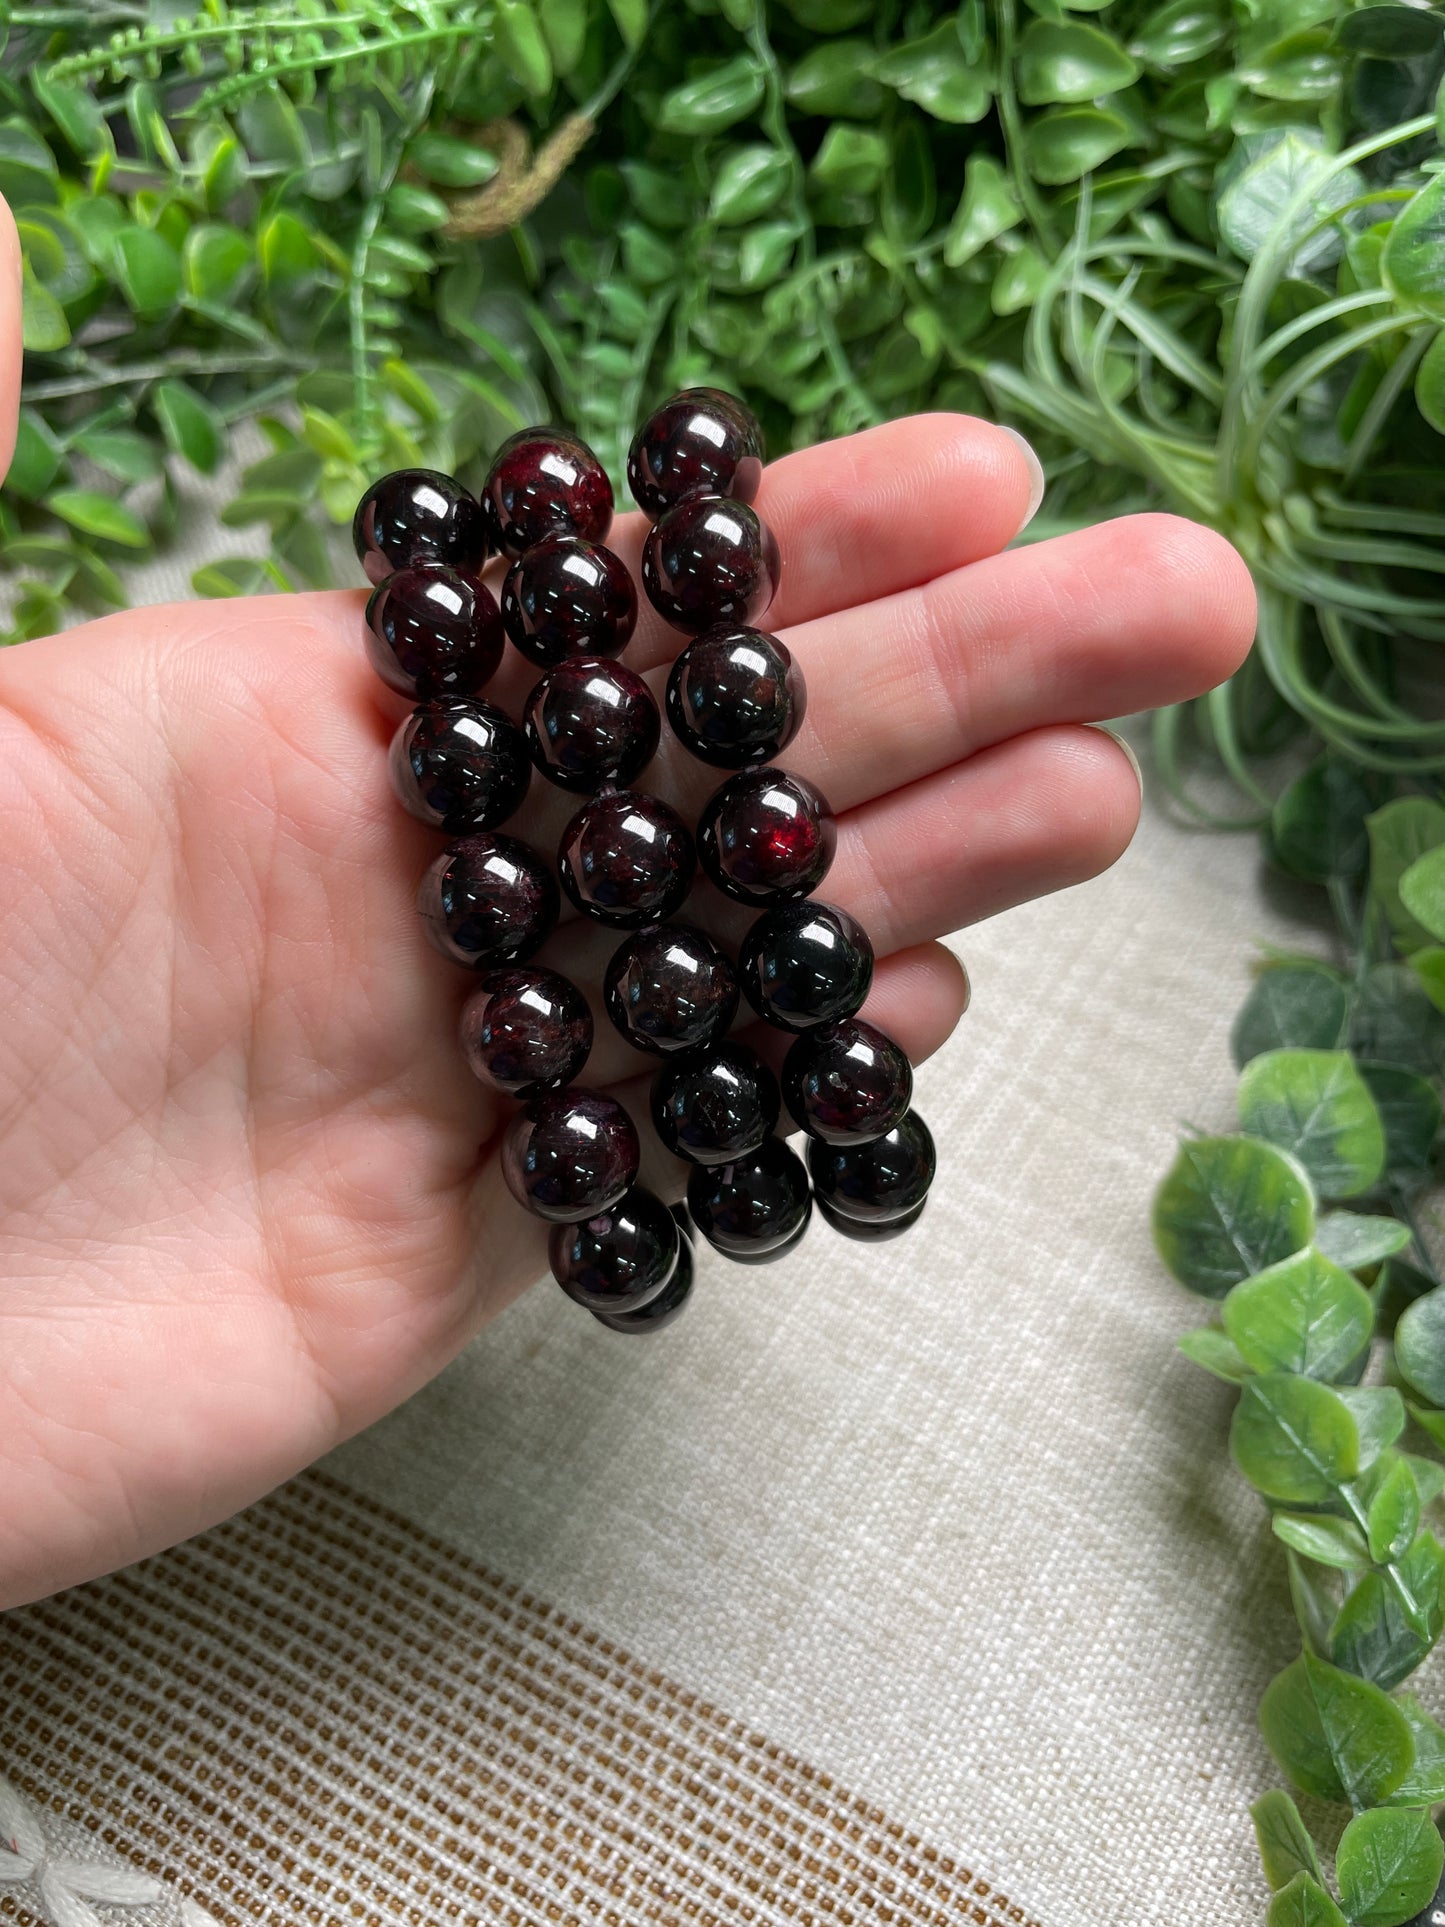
(521, 45)
(717, 100)
(1413, 264)
(1303, 1903)
(1372, 1635)
(749, 182)
(1303, 1314)
(836, 78)
(1216, 1352)
(121, 452)
(286, 251)
(74, 111)
(1431, 1422)
(1179, 32)
(1021, 274)
(1315, 1105)
(850, 160)
(449, 161)
(1400, 833)
(1335, 1736)
(215, 262)
(630, 17)
(1318, 824)
(147, 270)
(1354, 1240)
(934, 73)
(1285, 1845)
(1429, 967)
(1229, 1207)
(987, 208)
(1430, 385)
(564, 28)
(1269, 169)
(1394, 1514)
(1422, 889)
(1424, 1784)
(43, 327)
(99, 516)
(189, 425)
(1429, 1477)
(1410, 1112)
(1329, 1542)
(1389, 32)
(1388, 1864)
(1293, 1438)
(1067, 142)
(1379, 1415)
(1301, 1006)
(239, 575)
(415, 210)
(37, 458)
(1067, 60)
(1394, 1022)
(1420, 1346)
(28, 173)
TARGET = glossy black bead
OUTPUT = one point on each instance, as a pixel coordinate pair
(715, 1107)
(566, 597)
(735, 696)
(701, 441)
(459, 765)
(488, 899)
(526, 1030)
(619, 1259)
(626, 859)
(772, 1254)
(710, 560)
(754, 1204)
(805, 963)
(660, 1311)
(545, 482)
(870, 1232)
(570, 1154)
(766, 836)
(433, 631)
(669, 989)
(847, 1082)
(417, 515)
(591, 722)
(880, 1182)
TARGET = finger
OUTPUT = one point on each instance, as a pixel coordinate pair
(1143, 610)
(10, 334)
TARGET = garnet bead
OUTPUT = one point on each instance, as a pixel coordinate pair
(700, 441)
(459, 765)
(626, 859)
(869, 1232)
(433, 631)
(804, 964)
(544, 482)
(525, 1031)
(755, 1204)
(876, 1183)
(570, 1154)
(735, 696)
(766, 836)
(710, 560)
(417, 515)
(590, 722)
(660, 1311)
(670, 989)
(619, 1259)
(716, 1107)
(565, 598)
(488, 899)
(847, 1082)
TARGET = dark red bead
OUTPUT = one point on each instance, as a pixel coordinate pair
(755, 1204)
(566, 598)
(433, 631)
(459, 765)
(590, 722)
(670, 989)
(710, 560)
(805, 963)
(847, 1082)
(487, 900)
(872, 1232)
(526, 1030)
(658, 1312)
(876, 1183)
(570, 1154)
(414, 516)
(619, 1259)
(766, 836)
(735, 697)
(626, 859)
(717, 1106)
(700, 441)
(545, 482)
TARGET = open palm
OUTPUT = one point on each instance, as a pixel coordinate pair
(249, 1193)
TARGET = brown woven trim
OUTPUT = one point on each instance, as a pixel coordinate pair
(319, 1712)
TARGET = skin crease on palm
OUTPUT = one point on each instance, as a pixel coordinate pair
(249, 1193)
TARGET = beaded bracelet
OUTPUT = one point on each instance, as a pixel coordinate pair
(735, 699)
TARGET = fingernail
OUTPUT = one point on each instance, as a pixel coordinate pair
(1128, 749)
(1036, 476)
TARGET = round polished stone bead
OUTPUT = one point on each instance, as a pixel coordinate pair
(591, 722)
(880, 1182)
(669, 989)
(715, 1107)
(847, 1082)
(868, 1232)
(526, 1030)
(488, 899)
(753, 1205)
(710, 560)
(766, 836)
(414, 516)
(805, 963)
(459, 765)
(660, 1311)
(570, 1154)
(566, 597)
(433, 631)
(773, 1253)
(735, 696)
(626, 859)
(701, 441)
(545, 482)
(619, 1259)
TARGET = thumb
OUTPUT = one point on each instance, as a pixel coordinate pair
(10, 334)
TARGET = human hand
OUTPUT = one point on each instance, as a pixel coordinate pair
(249, 1192)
